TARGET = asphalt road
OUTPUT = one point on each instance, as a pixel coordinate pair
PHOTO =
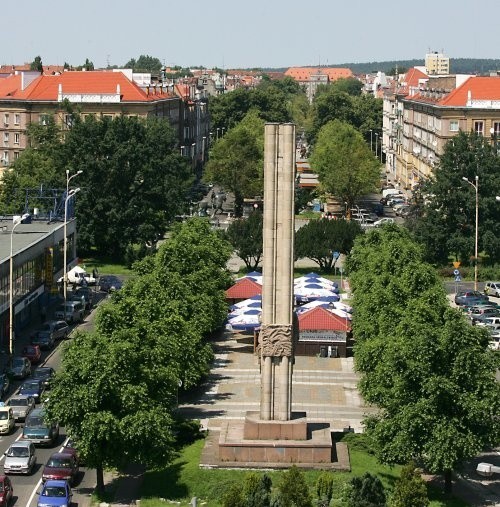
(26, 487)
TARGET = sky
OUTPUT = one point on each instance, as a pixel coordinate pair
(255, 33)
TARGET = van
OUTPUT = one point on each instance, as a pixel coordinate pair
(7, 420)
(38, 430)
(71, 311)
(492, 289)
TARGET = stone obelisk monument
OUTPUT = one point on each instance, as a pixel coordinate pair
(275, 436)
(277, 332)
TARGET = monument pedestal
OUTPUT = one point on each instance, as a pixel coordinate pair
(275, 443)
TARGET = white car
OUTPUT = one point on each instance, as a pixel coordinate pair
(383, 221)
(78, 276)
(20, 458)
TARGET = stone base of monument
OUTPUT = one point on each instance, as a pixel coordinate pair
(268, 443)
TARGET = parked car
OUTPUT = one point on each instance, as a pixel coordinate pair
(493, 322)
(61, 466)
(21, 367)
(6, 491)
(20, 458)
(33, 388)
(7, 420)
(71, 311)
(55, 494)
(21, 406)
(492, 289)
(88, 294)
(4, 385)
(378, 209)
(38, 430)
(110, 283)
(44, 339)
(59, 328)
(69, 447)
(78, 276)
(383, 221)
(33, 353)
(44, 374)
(468, 297)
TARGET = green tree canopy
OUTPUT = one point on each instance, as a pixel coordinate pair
(366, 491)
(292, 490)
(245, 234)
(445, 222)
(429, 371)
(345, 166)
(37, 64)
(339, 102)
(236, 160)
(132, 184)
(144, 63)
(410, 489)
(318, 239)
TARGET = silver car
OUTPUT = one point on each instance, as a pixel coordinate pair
(20, 458)
(21, 406)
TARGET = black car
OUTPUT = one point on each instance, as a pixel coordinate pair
(88, 294)
(44, 339)
(4, 385)
(110, 283)
(33, 388)
(44, 374)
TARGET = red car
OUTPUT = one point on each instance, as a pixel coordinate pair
(61, 466)
(33, 353)
(6, 491)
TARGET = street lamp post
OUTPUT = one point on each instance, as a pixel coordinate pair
(476, 188)
(15, 222)
(371, 140)
(69, 194)
(376, 144)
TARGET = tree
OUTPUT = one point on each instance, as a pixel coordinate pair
(107, 395)
(318, 239)
(37, 64)
(245, 234)
(349, 85)
(236, 160)
(133, 179)
(366, 491)
(345, 166)
(292, 490)
(410, 489)
(429, 372)
(324, 489)
(445, 222)
(257, 490)
(144, 63)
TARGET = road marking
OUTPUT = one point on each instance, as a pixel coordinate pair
(38, 484)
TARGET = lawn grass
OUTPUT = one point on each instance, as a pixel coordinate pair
(105, 266)
(183, 479)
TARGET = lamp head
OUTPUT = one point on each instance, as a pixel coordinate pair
(73, 191)
(464, 178)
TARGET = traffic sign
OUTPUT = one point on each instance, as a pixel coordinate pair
(336, 255)
(456, 264)
(456, 272)
(458, 278)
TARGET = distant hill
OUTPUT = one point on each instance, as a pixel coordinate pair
(457, 66)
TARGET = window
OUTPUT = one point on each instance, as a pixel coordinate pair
(454, 127)
(16, 155)
(44, 119)
(437, 124)
(479, 127)
(17, 119)
(6, 120)
(6, 138)
(68, 120)
(496, 128)
(16, 138)
(5, 158)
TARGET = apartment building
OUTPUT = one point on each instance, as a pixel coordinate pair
(27, 97)
(418, 124)
(437, 63)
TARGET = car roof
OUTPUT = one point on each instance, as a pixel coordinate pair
(21, 443)
(17, 396)
(61, 454)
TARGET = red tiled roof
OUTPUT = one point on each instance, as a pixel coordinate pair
(45, 88)
(244, 289)
(480, 88)
(304, 73)
(320, 319)
(413, 76)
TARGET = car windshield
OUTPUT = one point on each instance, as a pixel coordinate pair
(58, 491)
(4, 416)
(18, 362)
(18, 452)
(29, 350)
(59, 463)
(41, 373)
(35, 422)
(18, 402)
(30, 386)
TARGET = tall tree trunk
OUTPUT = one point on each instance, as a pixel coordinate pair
(447, 481)
(99, 487)
(238, 204)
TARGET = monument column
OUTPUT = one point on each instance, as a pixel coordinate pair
(276, 335)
